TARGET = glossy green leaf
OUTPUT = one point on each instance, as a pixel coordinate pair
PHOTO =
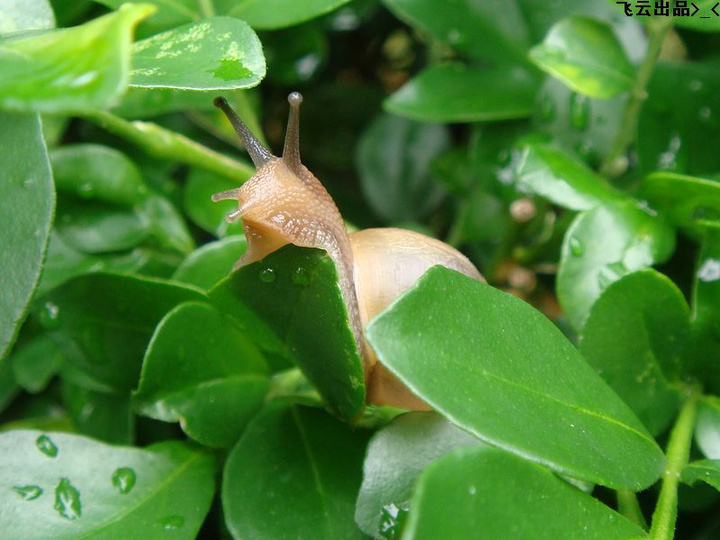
(503, 496)
(684, 199)
(636, 338)
(207, 265)
(586, 55)
(706, 307)
(498, 368)
(551, 173)
(707, 427)
(205, 213)
(449, 93)
(273, 14)
(67, 486)
(103, 322)
(679, 120)
(396, 456)
(631, 239)
(199, 369)
(96, 172)
(17, 16)
(35, 363)
(213, 54)
(393, 159)
(72, 69)
(27, 201)
(291, 303)
(484, 30)
(168, 13)
(102, 416)
(294, 472)
(706, 470)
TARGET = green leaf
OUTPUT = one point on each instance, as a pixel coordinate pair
(393, 158)
(201, 370)
(213, 54)
(103, 322)
(705, 20)
(17, 16)
(102, 416)
(273, 14)
(449, 93)
(72, 69)
(199, 206)
(551, 173)
(67, 486)
(396, 456)
(684, 199)
(631, 239)
(496, 367)
(477, 489)
(706, 470)
(27, 201)
(96, 172)
(295, 471)
(207, 265)
(586, 55)
(635, 337)
(707, 427)
(296, 55)
(483, 30)
(166, 224)
(291, 303)
(168, 13)
(35, 363)
(706, 307)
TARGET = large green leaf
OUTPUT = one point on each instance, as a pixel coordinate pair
(212, 262)
(72, 69)
(586, 55)
(630, 239)
(27, 200)
(214, 54)
(498, 368)
(199, 369)
(67, 487)
(294, 474)
(706, 470)
(551, 173)
(291, 304)
(103, 322)
(273, 14)
(476, 489)
(393, 159)
(22, 15)
(636, 338)
(450, 93)
(396, 456)
(684, 199)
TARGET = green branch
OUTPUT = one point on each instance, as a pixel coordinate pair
(629, 507)
(163, 143)
(678, 452)
(615, 164)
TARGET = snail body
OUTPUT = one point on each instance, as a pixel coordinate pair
(284, 203)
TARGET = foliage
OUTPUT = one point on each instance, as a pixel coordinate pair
(147, 389)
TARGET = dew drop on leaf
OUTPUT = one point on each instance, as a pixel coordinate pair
(267, 275)
(172, 522)
(124, 479)
(577, 248)
(46, 446)
(49, 316)
(300, 277)
(392, 521)
(28, 493)
(67, 500)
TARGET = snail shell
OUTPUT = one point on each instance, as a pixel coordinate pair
(284, 203)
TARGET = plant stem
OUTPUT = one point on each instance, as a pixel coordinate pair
(163, 143)
(629, 507)
(678, 452)
(657, 30)
(206, 7)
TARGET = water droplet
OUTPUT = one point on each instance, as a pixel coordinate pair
(579, 111)
(67, 500)
(300, 277)
(668, 159)
(267, 275)
(28, 493)
(547, 107)
(86, 190)
(46, 446)
(695, 85)
(454, 36)
(124, 479)
(709, 271)
(392, 521)
(704, 113)
(49, 315)
(172, 522)
(577, 248)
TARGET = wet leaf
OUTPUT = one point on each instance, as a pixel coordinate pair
(91, 489)
(294, 469)
(684, 199)
(706, 470)
(496, 367)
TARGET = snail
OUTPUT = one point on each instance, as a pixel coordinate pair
(284, 203)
